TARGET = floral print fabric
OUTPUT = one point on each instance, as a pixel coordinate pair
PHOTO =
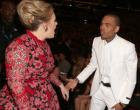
(29, 71)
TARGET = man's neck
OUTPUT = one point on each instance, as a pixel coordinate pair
(110, 39)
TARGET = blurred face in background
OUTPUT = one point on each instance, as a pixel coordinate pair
(7, 11)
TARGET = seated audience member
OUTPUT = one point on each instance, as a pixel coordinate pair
(8, 32)
(63, 63)
(64, 66)
(8, 29)
(80, 96)
(82, 101)
(78, 65)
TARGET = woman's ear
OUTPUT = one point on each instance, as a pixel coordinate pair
(30, 20)
(45, 26)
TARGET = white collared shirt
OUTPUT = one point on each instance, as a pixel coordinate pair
(106, 60)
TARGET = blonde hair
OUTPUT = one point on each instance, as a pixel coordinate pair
(33, 12)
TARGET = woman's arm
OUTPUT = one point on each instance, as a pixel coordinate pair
(54, 78)
(16, 60)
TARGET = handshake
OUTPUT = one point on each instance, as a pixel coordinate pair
(72, 83)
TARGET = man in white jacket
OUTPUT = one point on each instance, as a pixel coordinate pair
(115, 62)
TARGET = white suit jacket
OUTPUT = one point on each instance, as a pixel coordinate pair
(123, 66)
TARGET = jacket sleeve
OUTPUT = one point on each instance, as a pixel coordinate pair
(90, 68)
(131, 65)
(16, 59)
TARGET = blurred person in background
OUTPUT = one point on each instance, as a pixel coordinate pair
(8, 31)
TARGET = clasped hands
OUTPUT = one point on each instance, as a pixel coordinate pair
(72, 83)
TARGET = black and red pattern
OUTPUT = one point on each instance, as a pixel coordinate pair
(29, 70)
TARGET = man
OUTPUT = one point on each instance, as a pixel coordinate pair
(115, 62)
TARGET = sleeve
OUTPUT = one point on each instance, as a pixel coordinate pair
(54, 77)
(131, 65)
(90, 68)
(16, 60)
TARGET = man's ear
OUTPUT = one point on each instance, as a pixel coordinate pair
(117, 29)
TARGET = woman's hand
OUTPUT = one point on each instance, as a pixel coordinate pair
(72, 84)
(65, 92)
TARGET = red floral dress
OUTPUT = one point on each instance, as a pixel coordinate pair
(29, 70)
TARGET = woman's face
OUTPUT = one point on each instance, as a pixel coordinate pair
(51, 25)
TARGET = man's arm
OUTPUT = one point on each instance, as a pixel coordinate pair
(91, 67)
(88, 70)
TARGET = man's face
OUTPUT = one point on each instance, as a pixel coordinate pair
(108, 28)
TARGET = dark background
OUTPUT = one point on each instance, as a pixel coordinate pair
(81, 18)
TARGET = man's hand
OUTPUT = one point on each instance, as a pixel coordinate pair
(72, 84)
(119, 106)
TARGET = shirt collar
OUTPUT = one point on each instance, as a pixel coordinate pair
(111, 42)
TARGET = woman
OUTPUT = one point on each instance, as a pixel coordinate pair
(30, 66)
